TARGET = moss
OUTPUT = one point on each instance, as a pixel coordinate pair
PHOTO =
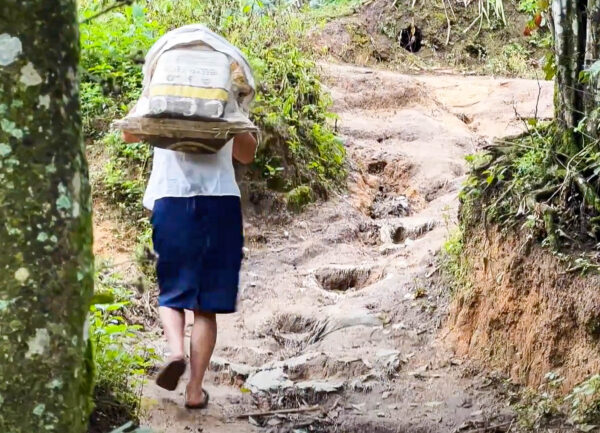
(455, 265)
(298, 198)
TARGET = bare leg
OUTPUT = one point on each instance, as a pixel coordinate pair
(173, 324)
(204, 337)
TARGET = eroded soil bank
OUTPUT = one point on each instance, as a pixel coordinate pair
(525, 312)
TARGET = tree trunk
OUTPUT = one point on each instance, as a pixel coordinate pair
(46, 264)
(576, 26)
(592, 50)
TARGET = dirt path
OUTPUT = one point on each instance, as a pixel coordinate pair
(337, 308)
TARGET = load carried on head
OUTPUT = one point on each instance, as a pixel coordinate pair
(196, 93)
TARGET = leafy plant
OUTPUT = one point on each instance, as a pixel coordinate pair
(120, 363)
(584, 401)
(528, 6)
(581, 407)
(537, 406)
(513, 60)
(543, 183)
(113, 48)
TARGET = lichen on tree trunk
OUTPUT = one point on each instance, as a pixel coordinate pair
(45, 222)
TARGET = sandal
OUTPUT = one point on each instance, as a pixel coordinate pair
(169, 375)
(198, 406)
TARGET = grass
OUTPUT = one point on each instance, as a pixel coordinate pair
(125, 175)
(513, 61)
(331, 9)
(298, 198)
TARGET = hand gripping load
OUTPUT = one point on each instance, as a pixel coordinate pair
(196, 94)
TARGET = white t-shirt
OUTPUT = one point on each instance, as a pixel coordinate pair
(179, 174)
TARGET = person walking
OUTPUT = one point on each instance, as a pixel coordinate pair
(198, 239)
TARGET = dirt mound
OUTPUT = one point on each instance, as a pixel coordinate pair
(371, 91)
(524, 313)
(374, 36)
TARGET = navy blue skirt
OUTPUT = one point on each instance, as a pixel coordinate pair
(199, 243)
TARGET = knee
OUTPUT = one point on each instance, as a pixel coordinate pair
(202, 315)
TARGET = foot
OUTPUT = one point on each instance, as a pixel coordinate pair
(196, 397)
(169, 375)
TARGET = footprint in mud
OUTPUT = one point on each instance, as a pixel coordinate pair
(290, 330)
(343, 278)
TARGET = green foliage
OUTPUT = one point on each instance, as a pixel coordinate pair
(549, 66)
(546, 183)
(299, 197)
(120, 363)
(519, 167)
(581, 407)
(113, 48)
(538, 406)
(125, 174)
(330, 9)
(528, 6)
(454, 262)
(292, 108)
(591, 73)
(584, 402)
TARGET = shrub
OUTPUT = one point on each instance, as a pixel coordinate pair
(112, 55)
(124, 177)
(292, 108)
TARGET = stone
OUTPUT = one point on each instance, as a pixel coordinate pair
(392, 233)
(321, 386)
(389, 359)
(293, 363)
(268, 381)
(234, 369)
(386, 206)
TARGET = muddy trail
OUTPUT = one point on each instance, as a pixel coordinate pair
(341, 310)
